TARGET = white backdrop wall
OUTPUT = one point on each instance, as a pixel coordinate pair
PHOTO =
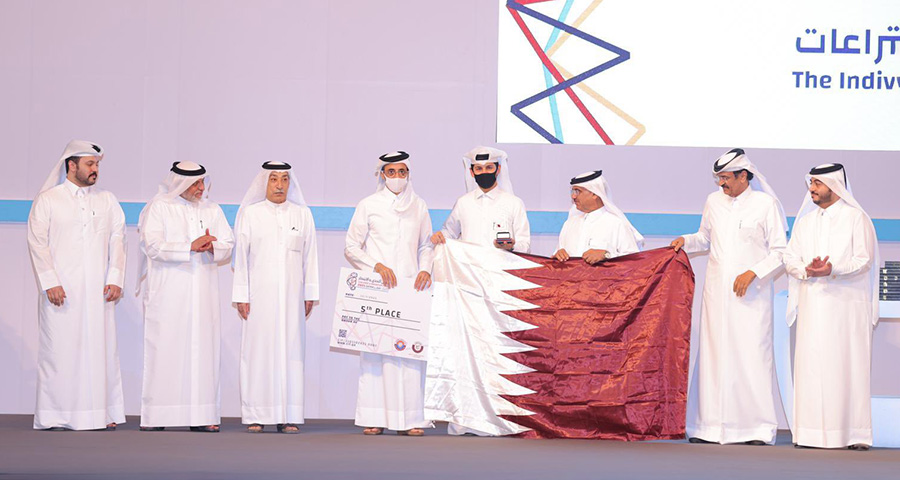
(326, 86)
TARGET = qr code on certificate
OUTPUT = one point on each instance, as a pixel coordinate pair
(342, 333)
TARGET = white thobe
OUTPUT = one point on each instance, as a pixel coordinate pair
(732, 393)
(391, 389)
(181, 313)
(833, 353)
(597, 230)
(76, 238)
(478, 216)
(276, 269)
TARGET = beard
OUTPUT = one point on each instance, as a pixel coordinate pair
(822, 198)
(86, 178)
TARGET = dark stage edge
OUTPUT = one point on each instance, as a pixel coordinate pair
(336, 449)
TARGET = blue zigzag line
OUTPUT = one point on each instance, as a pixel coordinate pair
(622, 55)
(548, 77)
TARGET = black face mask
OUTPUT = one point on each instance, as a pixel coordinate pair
(486, 180)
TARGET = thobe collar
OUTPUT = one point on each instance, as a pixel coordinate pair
(743, 196)
(181, 199)
(276, 206)
(596, 213)
(74, 189)
(388, 195)
(493, 193)
(833, 209)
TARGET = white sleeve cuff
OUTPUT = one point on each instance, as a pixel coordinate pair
(311, 293)
(48, 280)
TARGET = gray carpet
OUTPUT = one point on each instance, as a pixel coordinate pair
(336, 449)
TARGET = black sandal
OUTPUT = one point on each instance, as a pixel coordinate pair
(288, 428)
(206, 429)
(152, 429)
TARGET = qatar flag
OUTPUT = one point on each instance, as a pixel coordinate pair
(526, 345)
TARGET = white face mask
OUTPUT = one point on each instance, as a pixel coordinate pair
(396, 184)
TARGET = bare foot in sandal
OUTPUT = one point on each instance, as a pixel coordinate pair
(255, 428)
(412, 432)
(288, 428)
(373, 431)
(206, 428)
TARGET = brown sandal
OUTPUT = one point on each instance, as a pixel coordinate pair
(255, 428)
(412, 432)
(373, 431)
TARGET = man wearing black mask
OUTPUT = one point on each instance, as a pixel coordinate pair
(489, 214)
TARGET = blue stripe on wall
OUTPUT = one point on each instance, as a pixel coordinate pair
(14, 211)
(542, 223)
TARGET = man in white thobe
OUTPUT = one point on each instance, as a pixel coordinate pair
(184, 240)
(76, 239)
(389, 234)
(489, 214)
(833, 296)
(596, 229)
(743, 227)
(276, 281)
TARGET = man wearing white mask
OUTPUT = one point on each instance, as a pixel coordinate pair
(833, 296)
(489, 214)
(185, 238)
(744, 229)
(76, 239)
(276, 281)
(389, 234)
(596, 229)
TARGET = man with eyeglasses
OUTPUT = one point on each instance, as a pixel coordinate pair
(389, 234)
(489, 214)
(744, 229)
(596, 229)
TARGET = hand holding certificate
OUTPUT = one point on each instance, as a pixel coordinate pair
(369, 317)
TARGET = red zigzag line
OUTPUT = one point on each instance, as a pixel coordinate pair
(559, 78)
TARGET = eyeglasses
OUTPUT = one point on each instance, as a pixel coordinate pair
(724, 178)
(576, 192)
(391, 173)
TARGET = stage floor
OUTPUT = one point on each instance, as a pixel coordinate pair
(337, 449)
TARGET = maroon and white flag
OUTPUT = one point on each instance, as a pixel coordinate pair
(526, 345)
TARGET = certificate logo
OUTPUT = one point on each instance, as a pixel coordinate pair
(400, 345)
(352, 279)
(418, 347)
